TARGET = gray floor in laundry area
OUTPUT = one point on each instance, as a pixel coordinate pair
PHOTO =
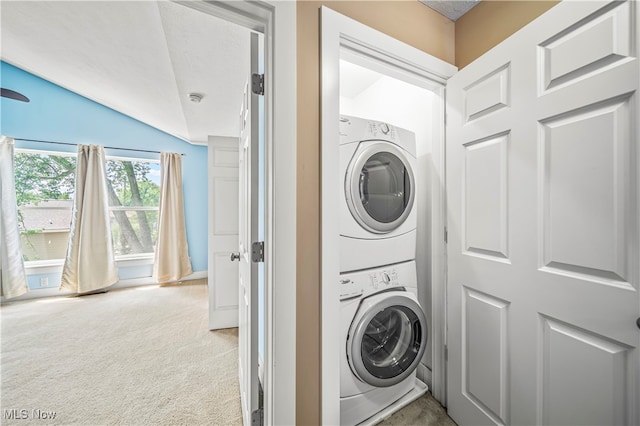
(424, 411)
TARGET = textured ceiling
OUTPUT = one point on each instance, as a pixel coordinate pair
(453, 9)
(141, 58)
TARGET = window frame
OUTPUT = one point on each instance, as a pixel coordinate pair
(124, 260)
(136, 256)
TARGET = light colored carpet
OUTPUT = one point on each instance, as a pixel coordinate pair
(141, 356)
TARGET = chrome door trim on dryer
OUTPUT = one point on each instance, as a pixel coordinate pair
(354, 186)
(407, 349)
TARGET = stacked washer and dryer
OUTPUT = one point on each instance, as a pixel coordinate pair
(384, 329)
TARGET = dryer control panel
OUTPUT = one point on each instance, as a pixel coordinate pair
(364, 283)
(354, 128)
(380, 280)
(382, 130)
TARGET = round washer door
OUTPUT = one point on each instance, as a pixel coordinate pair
(387, 341)
(380, 187)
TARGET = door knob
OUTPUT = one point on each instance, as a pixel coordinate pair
(235, 256)
(638, 322)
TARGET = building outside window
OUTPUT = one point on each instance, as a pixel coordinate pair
(45, 184)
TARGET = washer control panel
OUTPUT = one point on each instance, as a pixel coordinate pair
(380, 280)
(364, 283)
(350, 288)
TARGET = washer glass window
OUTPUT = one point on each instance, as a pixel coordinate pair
(391, 342)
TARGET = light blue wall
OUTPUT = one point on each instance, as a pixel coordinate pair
(57, 114)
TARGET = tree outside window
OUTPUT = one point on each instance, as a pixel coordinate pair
(45, 184)
(134, 196)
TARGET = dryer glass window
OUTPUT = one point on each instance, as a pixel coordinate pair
(391, 342)
(385, 188)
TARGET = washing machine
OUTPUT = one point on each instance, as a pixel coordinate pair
(377, 194)
(384, 335)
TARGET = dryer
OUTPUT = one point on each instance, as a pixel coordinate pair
(378, 194)
(384, 333)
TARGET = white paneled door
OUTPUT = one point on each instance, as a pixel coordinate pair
(543, 195)
(223, 232)
(248, 234)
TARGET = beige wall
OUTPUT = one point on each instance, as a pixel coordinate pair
(408, 21)
(490, 22)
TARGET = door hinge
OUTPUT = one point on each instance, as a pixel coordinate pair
(445, 104)
(257, 252)
(257, 84)
(446, 235)
(257, 417)
(446, 353)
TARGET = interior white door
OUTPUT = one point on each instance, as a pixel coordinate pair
(248, 234)
(223, 232)
(544, 235)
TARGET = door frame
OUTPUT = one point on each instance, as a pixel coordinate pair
(280, 190)
(374, 49)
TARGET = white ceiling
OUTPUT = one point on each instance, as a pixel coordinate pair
(355, 79)
(141, 58)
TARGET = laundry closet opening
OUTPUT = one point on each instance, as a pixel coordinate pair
(383, 222)
(371, 95)
(386, 177)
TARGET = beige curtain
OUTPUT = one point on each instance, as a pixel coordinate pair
(13, 278)
(90, 262)
(172, 253)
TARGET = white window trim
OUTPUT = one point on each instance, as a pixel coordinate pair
(134, 208)
(52, 266)
(120, 158)
(46, 152)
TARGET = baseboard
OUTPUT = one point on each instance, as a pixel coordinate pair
(424, 373)
(415, 393)
(196, 276)
(133, 282)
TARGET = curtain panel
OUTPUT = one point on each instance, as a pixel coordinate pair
(13, 278)
(172, 253)
(90, 262)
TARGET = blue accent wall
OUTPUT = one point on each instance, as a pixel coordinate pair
(57, 114)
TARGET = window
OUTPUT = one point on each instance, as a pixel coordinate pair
(134, 196)
(45, 184)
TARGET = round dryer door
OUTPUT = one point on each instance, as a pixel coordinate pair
(380, 187)
(388, 340)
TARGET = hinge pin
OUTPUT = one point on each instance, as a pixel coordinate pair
(257, 84)
(257, 252)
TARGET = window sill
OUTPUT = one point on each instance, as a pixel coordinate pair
(43, 266)
(135, 260)
(37, 267)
